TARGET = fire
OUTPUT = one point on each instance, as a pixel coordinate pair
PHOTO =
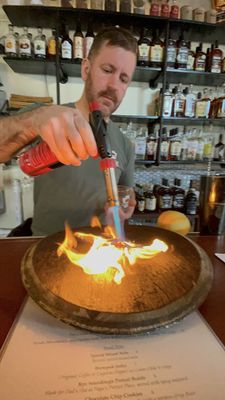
(105, 254)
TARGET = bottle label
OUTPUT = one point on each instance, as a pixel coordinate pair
(216, 64)
(190, 62)
(39, 47)
(66, 50)
(182, 57)
(165, 201)
(151, 148)
(179, 105)
(200, 63)
(164, 149)
(10, 45)
(191, 205)
(175, 149)
(150, 203)
(171, 54)
(178, 200)
(143, 52)
(174, 12)
(140, 148)
(78, 47)
(156, 53)
(88, 40)
(165, 10)
(167, 106)
(154, 10)
(24, 46)
(141, 205)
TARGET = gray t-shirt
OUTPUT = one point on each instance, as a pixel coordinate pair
(75, 194)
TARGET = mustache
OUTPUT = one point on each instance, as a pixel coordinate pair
(109, 93)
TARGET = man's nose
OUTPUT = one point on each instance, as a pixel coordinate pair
(113, 81)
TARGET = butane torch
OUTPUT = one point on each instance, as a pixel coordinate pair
(107, 163)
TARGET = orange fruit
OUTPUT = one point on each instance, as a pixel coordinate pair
(174, 221)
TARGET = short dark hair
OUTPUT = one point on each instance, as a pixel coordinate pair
(113, 36)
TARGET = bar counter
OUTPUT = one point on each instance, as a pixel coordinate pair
(12, 292)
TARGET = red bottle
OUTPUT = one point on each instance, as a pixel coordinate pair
(175, 10)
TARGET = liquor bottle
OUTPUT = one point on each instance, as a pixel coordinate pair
(191, 58)
(202, 105)
(143, 48)
(154, 10)
(182, 53)
(156, 51)
(66, 44)
(165, 198)
(40, 45)
(216, 59)
(208, 145)
(141, 199)
(151, 146)
(150, 199)
(82, 3)
(164, 148)
(78, 44)
(25, 44)
(51, 47)
(171, 53)
(140, 146)
(200, 59)
(138, 6)
(96, 4)
(175, 145)
(179, 102)
(200, 147)
(10, 43)
(192, 145)
(125, 6)
(219, 149)
(165, 9)
(184, 146)
(178, 194)
(190, 100)
(167, 102)
(174, 10)
(88, 40)
(191, 200)
(110, 5)
(208, 60)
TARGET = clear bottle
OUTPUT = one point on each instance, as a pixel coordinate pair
(208, 145)
(191, 58)
(192, 145)
(167, 102)
(78, 44)
(179, 102)
(88, 40)
(189, 102)
(138, 6)
(10, 43)
(200, 147)
(40, 45)
(184, 145)
(143, 48)
(202, 105)
(140, 145)
(25, 44)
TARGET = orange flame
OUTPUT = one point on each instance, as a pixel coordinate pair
(105, 253)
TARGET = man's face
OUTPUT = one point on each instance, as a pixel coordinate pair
(108, 76)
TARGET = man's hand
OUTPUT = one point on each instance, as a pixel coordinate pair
(67, 133)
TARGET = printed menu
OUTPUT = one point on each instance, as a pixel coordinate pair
(45, 359)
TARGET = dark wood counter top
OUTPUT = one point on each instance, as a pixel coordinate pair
(12, 292)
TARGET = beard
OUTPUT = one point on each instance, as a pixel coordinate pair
(107, 107)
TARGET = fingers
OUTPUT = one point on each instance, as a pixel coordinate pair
(67, 133)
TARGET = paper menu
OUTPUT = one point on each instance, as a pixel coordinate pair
(46, 359)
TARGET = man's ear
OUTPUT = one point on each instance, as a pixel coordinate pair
(85, 68)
